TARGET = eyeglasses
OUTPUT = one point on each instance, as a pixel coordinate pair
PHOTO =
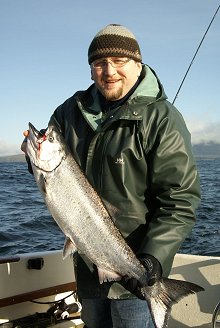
(116, 63)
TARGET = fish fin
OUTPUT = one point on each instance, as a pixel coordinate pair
(106, 275)
(163, 294)
(68, 248)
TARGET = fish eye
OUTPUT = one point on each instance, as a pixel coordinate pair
(51, 139)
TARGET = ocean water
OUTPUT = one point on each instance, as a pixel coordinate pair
(26, 225)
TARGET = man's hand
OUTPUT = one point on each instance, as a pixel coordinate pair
(153, 272)
(153, 266)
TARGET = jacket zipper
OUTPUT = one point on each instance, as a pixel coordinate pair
(101, 167)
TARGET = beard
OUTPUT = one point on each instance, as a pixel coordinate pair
(112, 95)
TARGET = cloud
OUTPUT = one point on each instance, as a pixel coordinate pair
(204, 131)
(7, 149)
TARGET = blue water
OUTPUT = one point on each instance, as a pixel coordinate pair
(26, 225)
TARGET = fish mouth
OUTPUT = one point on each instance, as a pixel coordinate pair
(36, 139)
(33, 129)
(35, 132)
(34, 136)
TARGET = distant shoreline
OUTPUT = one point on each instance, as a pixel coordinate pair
(21, 157)
(12, 158)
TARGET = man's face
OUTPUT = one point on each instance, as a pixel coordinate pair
(114, 77)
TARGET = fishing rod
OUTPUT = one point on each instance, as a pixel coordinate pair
(196, 52)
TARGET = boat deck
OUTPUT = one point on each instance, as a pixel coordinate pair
(55, 281)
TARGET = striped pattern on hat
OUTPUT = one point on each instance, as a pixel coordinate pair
(114, 41)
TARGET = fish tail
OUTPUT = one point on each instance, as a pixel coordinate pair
(163, 294)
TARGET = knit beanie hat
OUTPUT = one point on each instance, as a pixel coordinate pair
(114, 41)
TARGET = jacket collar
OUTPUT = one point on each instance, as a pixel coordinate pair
(149, 88)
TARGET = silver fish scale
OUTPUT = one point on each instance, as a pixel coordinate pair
(82, 217)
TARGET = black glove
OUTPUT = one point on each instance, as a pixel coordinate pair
(154, 272)
(153, 266)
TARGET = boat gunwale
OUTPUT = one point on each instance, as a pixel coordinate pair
(37, 294)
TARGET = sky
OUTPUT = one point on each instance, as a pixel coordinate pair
(43, 51)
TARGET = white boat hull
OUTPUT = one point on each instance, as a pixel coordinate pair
(19, 285)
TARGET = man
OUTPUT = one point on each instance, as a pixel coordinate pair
(135, 150)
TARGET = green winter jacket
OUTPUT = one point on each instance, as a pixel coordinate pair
(139, 159)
